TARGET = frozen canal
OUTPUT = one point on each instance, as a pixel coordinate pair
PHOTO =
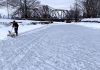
(55, 47)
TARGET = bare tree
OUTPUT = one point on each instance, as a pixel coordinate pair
(76, 11)
(22, 7)
(91, 7)
(42, 12)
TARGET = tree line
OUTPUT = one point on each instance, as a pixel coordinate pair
(23, 8)
(87, 8)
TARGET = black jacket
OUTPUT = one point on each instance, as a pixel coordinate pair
(15, 25)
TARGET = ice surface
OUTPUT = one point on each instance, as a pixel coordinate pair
(53, 47)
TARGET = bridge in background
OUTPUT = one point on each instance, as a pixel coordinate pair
(50, 14)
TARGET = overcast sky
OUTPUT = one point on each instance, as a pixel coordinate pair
(62, 4)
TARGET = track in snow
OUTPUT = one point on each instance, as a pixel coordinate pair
(57, 47)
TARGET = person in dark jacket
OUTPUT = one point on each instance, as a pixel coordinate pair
(15, 26)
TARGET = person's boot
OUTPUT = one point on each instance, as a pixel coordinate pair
(16, 34)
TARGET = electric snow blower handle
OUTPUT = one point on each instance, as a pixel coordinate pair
(12, 29)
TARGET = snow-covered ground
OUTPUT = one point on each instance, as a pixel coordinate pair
(59, 46)
(20, 21)
(89, 24)
(24, 26)
(91, 19)
(53, 47)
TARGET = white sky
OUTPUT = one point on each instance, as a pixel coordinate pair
(62, 4)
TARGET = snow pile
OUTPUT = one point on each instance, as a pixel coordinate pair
(91, 20)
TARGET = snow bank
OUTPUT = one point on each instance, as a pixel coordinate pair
(90, 22)
(7, 21)
(91, 19)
